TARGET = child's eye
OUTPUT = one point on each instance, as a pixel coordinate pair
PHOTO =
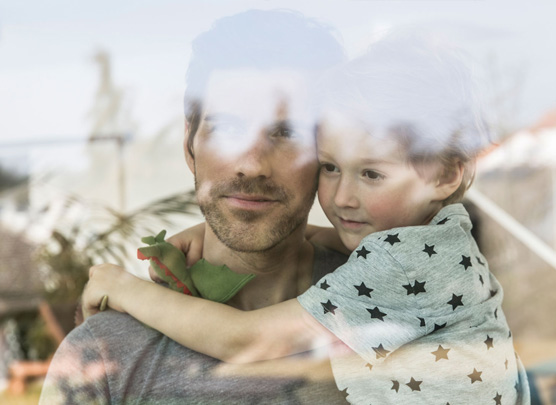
(329, 168)
(371, 174)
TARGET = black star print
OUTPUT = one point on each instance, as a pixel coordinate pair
(481, 279)
(498, 398)
(369, 365)
(443, 221)
(422, 322)
(509, 334)
(479, 260)
(489, 342)
(455, 301)
(363, 290)
(324, 285)
(391, 239)
(419, 287)
(492, 293)
(414, 385)
(496, 313)
(329, 307)
(438, 327)
(395, 385)
(465, 261)
(375, 313)
(475, 376)
(441, 353)
(429, 250)
(362, 252)
(506, 364)
(380, 351)
(416, 288)
(344, 393)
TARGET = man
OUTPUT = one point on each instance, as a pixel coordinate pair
(249, 141)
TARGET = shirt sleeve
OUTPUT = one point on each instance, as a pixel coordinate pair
(77, 372)
(368, 303)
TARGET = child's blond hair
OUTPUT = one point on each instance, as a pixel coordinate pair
(420, 90)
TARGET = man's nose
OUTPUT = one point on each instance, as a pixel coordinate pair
(346, 193)
(256, 160)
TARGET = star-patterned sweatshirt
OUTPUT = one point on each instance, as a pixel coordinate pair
(420, 317)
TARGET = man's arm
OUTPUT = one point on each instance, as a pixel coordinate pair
(78, 372)
(327, 237)
(214, 329)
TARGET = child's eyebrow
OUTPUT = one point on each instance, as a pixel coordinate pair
(378, 162)
(323, 154)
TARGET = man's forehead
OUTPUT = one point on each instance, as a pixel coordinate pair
(245, 92)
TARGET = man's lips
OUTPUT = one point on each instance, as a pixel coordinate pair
(249, 201)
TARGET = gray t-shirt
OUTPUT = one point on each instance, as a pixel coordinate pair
(114, 359)
(421, 318)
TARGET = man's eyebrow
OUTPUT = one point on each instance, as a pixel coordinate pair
(293, 124)
(220, 117)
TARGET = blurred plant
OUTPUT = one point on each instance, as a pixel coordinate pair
(94, 234)
(10, 178)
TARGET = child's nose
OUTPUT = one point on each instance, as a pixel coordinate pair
(346, 194)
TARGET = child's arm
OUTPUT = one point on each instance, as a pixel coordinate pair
(327, 237)
(276, 331)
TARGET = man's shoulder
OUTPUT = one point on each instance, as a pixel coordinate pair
(326, 261)
(109, 329)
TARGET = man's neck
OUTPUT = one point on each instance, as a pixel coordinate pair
(282, 273)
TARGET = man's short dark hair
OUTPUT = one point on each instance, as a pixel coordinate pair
(257, 39)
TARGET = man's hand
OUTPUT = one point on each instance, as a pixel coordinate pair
(105, 280)
(190, 242)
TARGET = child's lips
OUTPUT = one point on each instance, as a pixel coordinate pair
(351, 224)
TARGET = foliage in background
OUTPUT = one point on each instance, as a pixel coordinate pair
(96, 234)
(10, 179)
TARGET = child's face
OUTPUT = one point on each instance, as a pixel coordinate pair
(366, 185)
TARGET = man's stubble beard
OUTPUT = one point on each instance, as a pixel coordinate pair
(248, 231)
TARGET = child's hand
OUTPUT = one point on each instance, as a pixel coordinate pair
(105, 279)
(190, 242)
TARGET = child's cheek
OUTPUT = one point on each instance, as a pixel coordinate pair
(325, 195)
(386, 211)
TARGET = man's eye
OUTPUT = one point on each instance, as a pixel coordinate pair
(224, 125)
(282, 130)
(330, 168)
(371, 174)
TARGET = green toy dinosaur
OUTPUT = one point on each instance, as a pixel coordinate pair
(215, 283)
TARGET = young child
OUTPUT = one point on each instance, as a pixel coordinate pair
(416, 307)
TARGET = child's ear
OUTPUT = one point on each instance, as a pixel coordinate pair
(449, 179)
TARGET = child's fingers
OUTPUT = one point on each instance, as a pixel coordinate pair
(90, 303)
(190, 242)
(92, 270)
(195, 252)
(180, 240)
(154, 276)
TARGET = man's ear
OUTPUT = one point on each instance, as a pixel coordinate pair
(449, 179)
(188, 156)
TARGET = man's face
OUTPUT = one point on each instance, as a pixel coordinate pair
(255, 160)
